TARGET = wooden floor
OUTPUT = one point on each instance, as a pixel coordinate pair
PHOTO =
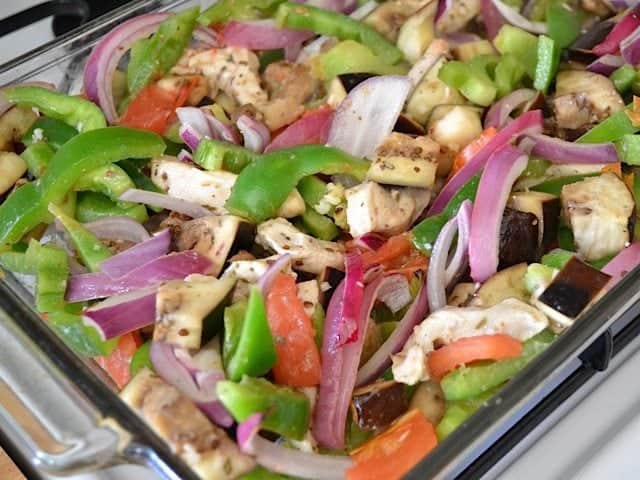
(8, 471)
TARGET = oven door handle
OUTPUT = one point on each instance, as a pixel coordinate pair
(67, 8)
(65, 415)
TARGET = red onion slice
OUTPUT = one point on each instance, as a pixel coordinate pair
(368, 114)
(606, 65)
(207, 37)
(458, 38)
(262, 35)
(175, 266)
(197, 123)
(162, 200)
(105, 56)
(256, 135)
(144, 252)
(124, 313)
(498, 114)
(443, 7)
(529, 122)
(118, 228)
(370, 241)
(630, 48)
(491, 17)
(312, 128)
(461, 256)
(340, 367)
(395, 295)
(432, 55)
(560, 151)
(436, 283)
(512, 16)
(184, 156)
(287, 461)
(349, 314)
(503, 168)
(623, 29)
(381, 360)
(623, 263)
(266, 280)
(176, 367)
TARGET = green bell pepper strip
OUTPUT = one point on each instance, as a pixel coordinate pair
(80, 337)
(216, 155)
(17, 262)
(610, 130)
(458, 412)
(141, 359)
(557, 258)
(135, 170)
(317, 321)
(26, 207)
(548, 60)
(93, 206)
(250, 349)
(319, 226)
(53, 131)
(153, 57)
(629, 149)
(333, 24)
(286, 411)
(623, 78)
(109, 180)
(262, 187)
(225, 10)
(52, 270)
(537, 277)
(233, 320)
(508, 74)
(523, 45)
(471, 381)
(90, 249)
(77, 112)
(353, 57)
(563, 25)
(427, 231)
(312, 189)
(475, 85)
(37, 156)
(554, 185)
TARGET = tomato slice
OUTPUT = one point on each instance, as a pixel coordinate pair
(471, 349)
(397, 255)
(117, 363)
(298, 358)
(395, 451)
(470, 150)
(154, 107)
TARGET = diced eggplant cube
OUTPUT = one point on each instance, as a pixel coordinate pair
(377, 405)
(518, 238)
(546, 208)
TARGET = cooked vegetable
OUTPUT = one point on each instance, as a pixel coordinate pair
(429, 399)
(546, 208)
(518, 238)
(377, 405)
(12, 168)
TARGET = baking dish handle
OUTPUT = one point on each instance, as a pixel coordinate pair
(59, 409)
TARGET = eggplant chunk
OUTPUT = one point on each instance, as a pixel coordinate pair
(457, 15)
(461, 294)
(454, 127)
(429, 399)
(507, 283)
(377, 405)
(546, 208)
(518, 238)
(308, 254)
(599, 211)
(390, 16)
(211, 236)
(12, 168)
(584, 98)
(575, 287)
(14, 124)
(211, 189)
(372, 208)
(418, 32)
(405, 161)
(511, 316)
(177, 420)
(182, 305)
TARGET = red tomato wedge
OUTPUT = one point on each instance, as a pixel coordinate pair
(116, 364)
(471, 349)
(397, 255)
(395, 451)
(154, 107)
(298, 359)
(470, 150)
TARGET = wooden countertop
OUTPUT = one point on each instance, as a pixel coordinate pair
(8, 470)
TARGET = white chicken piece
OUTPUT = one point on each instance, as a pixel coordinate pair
(234, 70)
(250, 271)
(176, 419)
(182, 305)
(372, 208)
(511, 317)
(308, 253)
(211, 189)
(598, 210)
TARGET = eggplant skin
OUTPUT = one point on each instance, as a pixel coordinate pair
(518, 238)
(377, 405)
(577, 285)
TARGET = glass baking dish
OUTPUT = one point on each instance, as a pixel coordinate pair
(94, 428)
